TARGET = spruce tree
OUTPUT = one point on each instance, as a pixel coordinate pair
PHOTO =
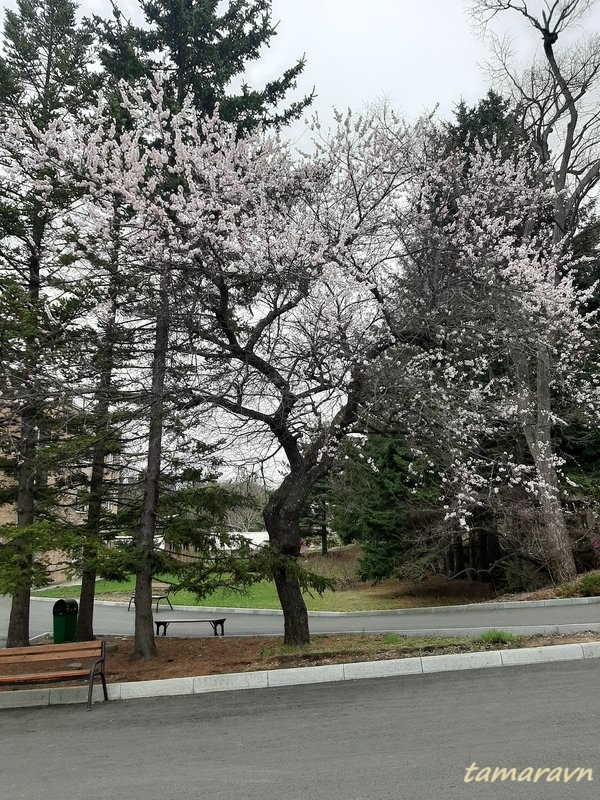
(203, 48)
(44, 71)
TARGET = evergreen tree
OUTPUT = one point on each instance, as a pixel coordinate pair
(379, 499)
(203, 47)
(491, 120)
(45, 68)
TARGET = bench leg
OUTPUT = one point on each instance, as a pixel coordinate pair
(131, 600)
(90, 690)
(164, 627)
(170, 603)
(104, 689)
(222, 624)
(216, 626)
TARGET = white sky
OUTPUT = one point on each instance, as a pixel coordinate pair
(415, 53)
(418, 54)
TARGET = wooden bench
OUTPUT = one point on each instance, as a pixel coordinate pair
(51, 654)
(164, 623)
(158, 593)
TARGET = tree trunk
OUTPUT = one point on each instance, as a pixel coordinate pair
(558, 551)
(536, 417)
(282, 520)
(459, 555)
(145, 646)
(85, 619)
(18, 625)
(295, 615)
(105, 362)
(324, 544)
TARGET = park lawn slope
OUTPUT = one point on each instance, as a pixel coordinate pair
(364, 597)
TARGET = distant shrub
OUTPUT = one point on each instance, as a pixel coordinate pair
(589, 585)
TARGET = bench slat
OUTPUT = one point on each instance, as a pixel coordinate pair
(64, 655)
(189, 620)
(45, 676)
(51, 648)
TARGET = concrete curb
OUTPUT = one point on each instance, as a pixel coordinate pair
(272, 678)
(567, 601)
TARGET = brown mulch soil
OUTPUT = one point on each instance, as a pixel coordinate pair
(179, 658)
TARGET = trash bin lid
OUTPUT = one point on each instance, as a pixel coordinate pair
(59, 608)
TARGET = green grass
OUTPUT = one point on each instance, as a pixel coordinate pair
(498, 637)
(369, 645)
(264, 595)
(339, 565)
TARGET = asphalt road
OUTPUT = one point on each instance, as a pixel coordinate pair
(400, 738)
(117, 620)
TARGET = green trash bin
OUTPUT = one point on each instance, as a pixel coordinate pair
(59, 614)
(71, 613)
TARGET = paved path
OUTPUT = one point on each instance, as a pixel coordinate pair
(389, 739)
(117, 620)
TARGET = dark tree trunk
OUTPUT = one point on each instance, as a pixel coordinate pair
(18, 625)
(282, 520)
(105, 362)
(324, 546)
(85, 619)
(459, 554)
(295, 615)
(145, 646)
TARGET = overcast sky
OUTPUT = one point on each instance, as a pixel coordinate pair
(416, 53)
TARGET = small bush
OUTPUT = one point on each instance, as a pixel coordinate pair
(497, 637)
(391, 638)
(589, 585)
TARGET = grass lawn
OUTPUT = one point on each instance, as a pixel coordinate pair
(384, 596)
(340, 565)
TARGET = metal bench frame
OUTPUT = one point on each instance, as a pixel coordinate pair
(216, 624)
(157, 597)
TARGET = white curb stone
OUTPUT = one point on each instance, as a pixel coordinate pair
(457, 661)
(382, 669)
(591, 649)
(23, 698)
(65, 695)
(540, 655)
(289, 677)
(230, 682)
(159, 688)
